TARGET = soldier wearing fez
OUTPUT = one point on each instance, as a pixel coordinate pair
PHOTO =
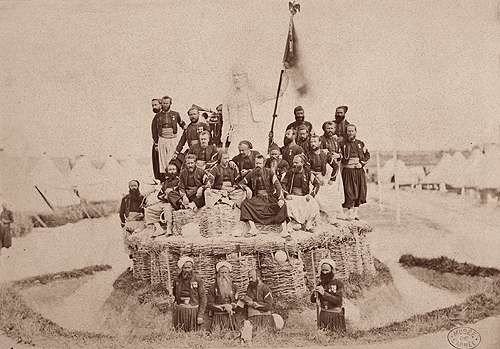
(328, 296)
(190, 297)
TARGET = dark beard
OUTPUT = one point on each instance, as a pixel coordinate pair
(252, 283)
(156, 110)
(314, 148)
(134, 193)
(297, 169)
(351, 138)
(186, 275)
(325, 278)
(339, 118)
(287, 141)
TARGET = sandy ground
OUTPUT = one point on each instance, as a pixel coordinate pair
(432, 224)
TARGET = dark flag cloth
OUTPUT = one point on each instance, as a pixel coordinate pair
(291, 57)
(354, 180)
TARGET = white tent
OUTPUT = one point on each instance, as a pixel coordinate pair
(438, 174)
(55, 187)
(454, 170)
(472, 170)
(20, 175)
(392, 168)
(489, 177)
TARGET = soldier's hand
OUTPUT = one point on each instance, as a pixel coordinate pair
(199, 192)
(199, 320)
(320, 290)
(249, 193)
(185, 200)
(233, 165)
(308, 197)
(281, 202)
(156, 147)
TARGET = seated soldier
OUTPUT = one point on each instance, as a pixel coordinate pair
(301, 205)
(222, 298)
(279, 166)
(224, 185)
(318, 160)
(303, 138)
(206, 153)
(131, 209)
(191, 132)
(259, 302)
(192, 183)
(329, 295)
(290, 147)
(190, 297)
(245, 160)
(264, 203)
(161, 210)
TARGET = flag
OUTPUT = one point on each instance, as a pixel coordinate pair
(290, 56)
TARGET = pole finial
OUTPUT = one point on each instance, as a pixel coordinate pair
(294, 7)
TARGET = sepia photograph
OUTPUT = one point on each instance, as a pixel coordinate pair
(250, 174)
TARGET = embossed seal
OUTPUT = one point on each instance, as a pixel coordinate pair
(464, 338)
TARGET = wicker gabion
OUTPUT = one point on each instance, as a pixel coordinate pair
(182, 217)
(155, 259)
(218, 220)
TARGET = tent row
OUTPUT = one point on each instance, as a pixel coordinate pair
(39, 184)
(481, 170)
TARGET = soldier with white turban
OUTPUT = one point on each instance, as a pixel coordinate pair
(329, 293)
(190, 297)
(222, 299)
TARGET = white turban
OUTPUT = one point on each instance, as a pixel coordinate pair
(223, 264)
(328, 261)
(183, 260)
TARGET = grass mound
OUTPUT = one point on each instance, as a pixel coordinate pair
(46, 278)
(447, 265)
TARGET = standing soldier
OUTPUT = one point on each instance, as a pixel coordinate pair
(215, 122)
(165, 133)
(190, 297)
(329, 293)
(354, 158)
(156, 106)
(341, 123)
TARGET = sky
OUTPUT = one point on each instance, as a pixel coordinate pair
(77, 77)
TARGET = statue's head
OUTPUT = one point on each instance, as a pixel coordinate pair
(239, 75)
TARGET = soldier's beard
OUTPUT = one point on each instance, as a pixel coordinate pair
(187, 275)
(156, 110)
(133, 192)
(224, 283)
(325, 277)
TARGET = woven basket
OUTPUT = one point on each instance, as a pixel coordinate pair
(285, 279)
(239, 273)
(217, 220)
(141, 264)
(183, 217)
(267, 229)
(367, 257)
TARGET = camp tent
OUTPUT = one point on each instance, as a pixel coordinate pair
(438, 174)
(489, 172)
(454, 171)
(32, 184)
(396, 167)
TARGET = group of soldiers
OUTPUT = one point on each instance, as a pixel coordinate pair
(289, 188)
(246, 313)
(197, 170)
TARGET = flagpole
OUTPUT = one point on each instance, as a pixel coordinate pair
(396, 185)
(378, 182)
(271, 133)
